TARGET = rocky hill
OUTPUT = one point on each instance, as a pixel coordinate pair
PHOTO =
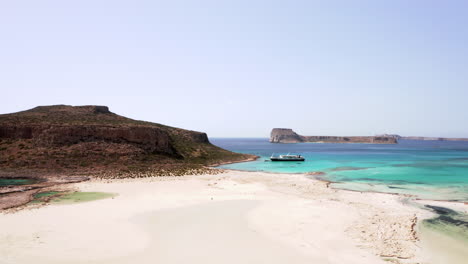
(89, 139)
(287, 135)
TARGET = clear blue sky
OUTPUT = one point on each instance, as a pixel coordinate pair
(239, 68)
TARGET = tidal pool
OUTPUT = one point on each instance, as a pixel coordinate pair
(57, 197)
(44, 196)
(16, 181)
(79, 197)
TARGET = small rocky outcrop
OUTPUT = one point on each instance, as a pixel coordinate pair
(285, 135)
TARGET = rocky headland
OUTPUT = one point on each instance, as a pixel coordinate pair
(287, 135)
(60, 142)
(79, 138)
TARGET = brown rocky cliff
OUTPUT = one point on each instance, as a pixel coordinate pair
(91, 134)
(58, 126)
(149, 139)
(284, 135)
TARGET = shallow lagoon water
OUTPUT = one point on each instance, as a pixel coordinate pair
(16, 181)
(428, 169)
(425, 169)
(79, 197)
(445, 237)
(57, 197)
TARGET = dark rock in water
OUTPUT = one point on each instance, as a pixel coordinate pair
(394, 187)
(348, 168)
(447, 216)
(287, 135)
(316, 173)
(441, 210)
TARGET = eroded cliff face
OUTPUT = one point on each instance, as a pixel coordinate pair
(287, 135)
(149, 139)
(61, 126)
(69, 136)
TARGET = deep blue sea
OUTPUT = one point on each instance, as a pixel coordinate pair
(427, 169)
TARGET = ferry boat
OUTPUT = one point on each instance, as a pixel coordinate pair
(287, 157)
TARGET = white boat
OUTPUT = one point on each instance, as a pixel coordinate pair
(287, 157)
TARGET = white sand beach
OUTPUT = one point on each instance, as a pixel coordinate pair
(233, 217)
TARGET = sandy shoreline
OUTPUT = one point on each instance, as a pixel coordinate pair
(233, 217)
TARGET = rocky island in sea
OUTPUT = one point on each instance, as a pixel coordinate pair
(287, 135)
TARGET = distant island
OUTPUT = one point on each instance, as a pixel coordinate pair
(425, 138)
(287, 135)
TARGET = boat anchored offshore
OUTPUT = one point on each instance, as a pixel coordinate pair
(287, 157)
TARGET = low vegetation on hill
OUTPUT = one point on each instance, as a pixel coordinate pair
(91, 140)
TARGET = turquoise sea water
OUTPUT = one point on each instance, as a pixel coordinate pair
(427, 169)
